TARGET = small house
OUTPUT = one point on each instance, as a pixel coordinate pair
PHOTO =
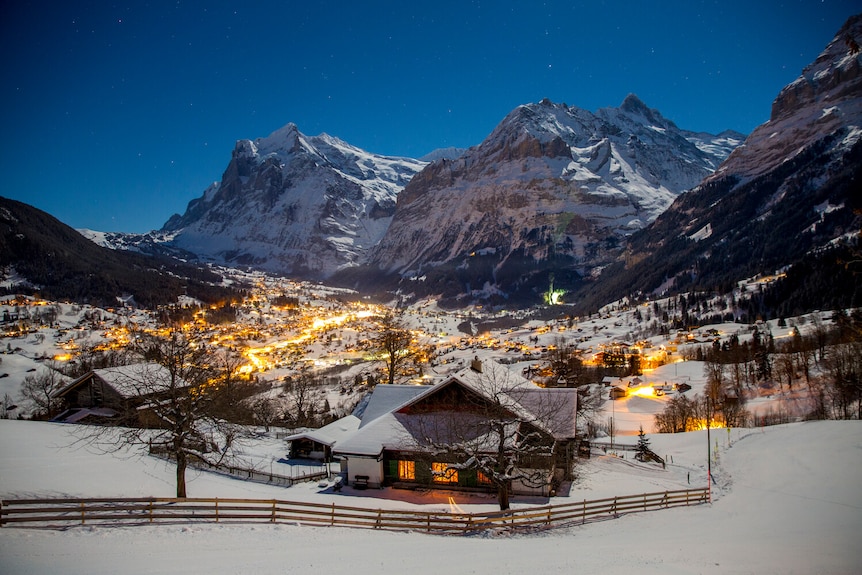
(318, 443)
(405, 431)
(101, 395)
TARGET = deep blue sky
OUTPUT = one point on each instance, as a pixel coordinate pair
(116, 114)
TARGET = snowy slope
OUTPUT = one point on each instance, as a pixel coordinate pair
(787, 501)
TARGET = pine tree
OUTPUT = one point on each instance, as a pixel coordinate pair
(642, 448)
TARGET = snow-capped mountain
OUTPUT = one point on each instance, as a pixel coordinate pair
(791, 190)
(551, 187)
(294, 204)
(152, 243)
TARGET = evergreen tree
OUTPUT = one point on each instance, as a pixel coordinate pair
(642, 448)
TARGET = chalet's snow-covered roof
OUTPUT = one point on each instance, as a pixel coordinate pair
(555, 408)
(387, 398)
(330, 434)
(127, 380)
(370, 440)
(552, 409)
(78, 415)
(492, 375)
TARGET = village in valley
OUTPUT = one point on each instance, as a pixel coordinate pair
(316, 368)
(597, 405)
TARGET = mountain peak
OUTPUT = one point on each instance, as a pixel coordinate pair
(553, 187)
(634, 104)
(284, 138)
(294, 204)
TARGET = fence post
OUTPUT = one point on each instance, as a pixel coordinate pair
(379, 513)
(273, 511)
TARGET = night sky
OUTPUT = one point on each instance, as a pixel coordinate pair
(116, 114)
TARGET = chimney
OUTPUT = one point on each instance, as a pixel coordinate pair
(476, 365)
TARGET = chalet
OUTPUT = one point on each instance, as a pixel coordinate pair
(318, 443)
(103, 394)
(406, 432)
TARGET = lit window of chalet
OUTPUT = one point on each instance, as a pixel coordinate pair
(482, 478)
(407, 470)
(443, 474)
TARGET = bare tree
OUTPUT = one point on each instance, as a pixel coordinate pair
(234, 398)
(396, 347)
(843, 370)
(786, 367)
(301, 395)
(177, 405)
(678, 416)
(507, 430)
(7, 406)
(39, 390)
(266, 411)
(566, 365)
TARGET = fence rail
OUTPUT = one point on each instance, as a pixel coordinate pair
(247, 473)
(58, 513)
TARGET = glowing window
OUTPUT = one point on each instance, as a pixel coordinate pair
(482, 478)
(407, 470)
(443, 474)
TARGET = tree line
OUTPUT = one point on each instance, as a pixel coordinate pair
(824, 365)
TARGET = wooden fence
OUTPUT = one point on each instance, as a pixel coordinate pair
(247, 473)
(59, 513)
(258, 475)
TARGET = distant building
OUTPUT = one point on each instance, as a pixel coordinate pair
(101, 395)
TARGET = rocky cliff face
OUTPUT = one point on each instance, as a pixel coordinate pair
(292, 204)
(552, 187)
(825, 98)
(792, 189)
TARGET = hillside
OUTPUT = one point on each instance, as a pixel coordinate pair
(788, 194)
(41, 255)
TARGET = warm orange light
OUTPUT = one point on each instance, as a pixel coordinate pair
(701, 424)
(645, 391)
(407, 470)
(443, 473)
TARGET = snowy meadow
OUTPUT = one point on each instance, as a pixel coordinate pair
(785, 500)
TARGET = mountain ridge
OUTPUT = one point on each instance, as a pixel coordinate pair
(790, 191)
(57, 262)
(293, 204)
(553, 187)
